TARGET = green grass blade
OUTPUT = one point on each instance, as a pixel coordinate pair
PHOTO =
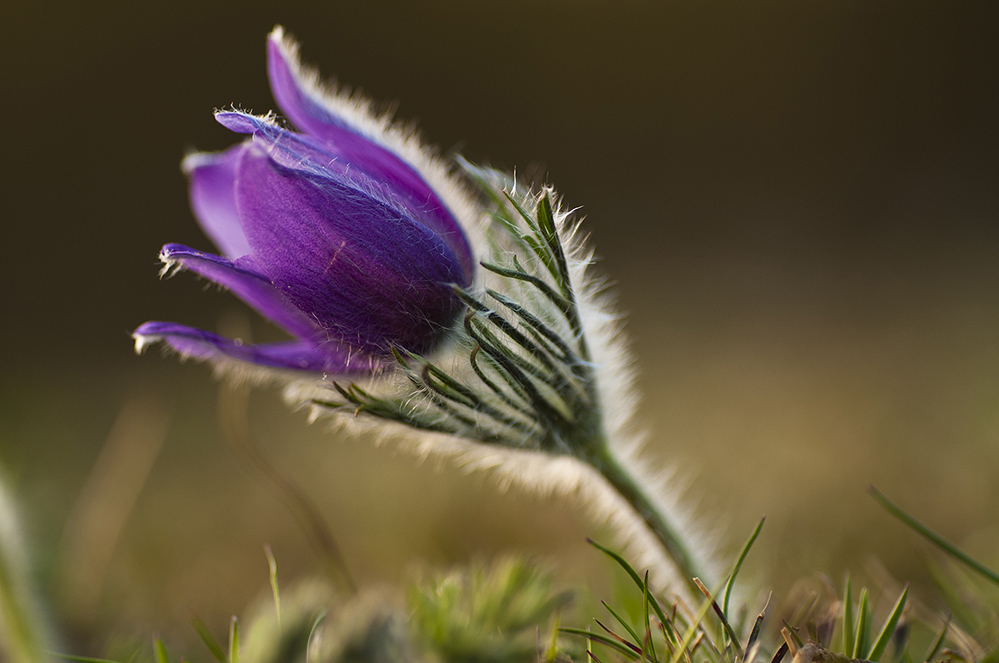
(234, 641)
(849, 634)
(551, 652)
(738, 564)
(881, 643)
(862, 636)
(206, 636)
(938, 643)
(793, 635)
(954, 596)
(159, 651)
(82, 659)
(275, 590)
(934, 538)
(692, 631)
(648, 624)
(602, 639)
(637, 579)
(623, 623)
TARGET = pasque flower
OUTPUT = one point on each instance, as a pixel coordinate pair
(328, 232)
(346, 234)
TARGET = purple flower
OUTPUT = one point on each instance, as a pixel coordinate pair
(328, 232)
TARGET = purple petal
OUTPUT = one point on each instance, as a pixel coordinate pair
(250, 286)
(369, 275)
(310, 155)
(239, 122)
(304, 105)
(213, 198)
(295, 355)
(296, 151)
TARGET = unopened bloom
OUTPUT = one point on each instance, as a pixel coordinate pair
(347, 236)
(327, 232)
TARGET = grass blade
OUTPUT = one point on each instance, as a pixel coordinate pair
(863, 626)
(934, 538)
(938, 643)
(551, 652)
(693, 631)
(206, 636)
(637, 579)
(622, 622)
(848, 633)
(648, 625)
(234, 641)
(602, 639)
(881, 643)
(790, 636)
(754, 635)
(275, 590)
(623, 641)
(159, 651)
(732, 635)
(738, 563)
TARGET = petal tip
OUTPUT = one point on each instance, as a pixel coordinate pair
(277, 34)
(194, 161)
(282, 47)
(168, 256)
(242, 122)
(143, 338)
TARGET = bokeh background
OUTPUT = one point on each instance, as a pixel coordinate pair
(797, 203)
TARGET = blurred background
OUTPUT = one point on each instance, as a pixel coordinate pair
(797, 203)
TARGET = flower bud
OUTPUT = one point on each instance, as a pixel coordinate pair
(327, 232)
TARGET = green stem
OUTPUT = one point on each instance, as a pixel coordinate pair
(603, 460)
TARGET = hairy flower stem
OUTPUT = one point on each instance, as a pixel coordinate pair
(604, 461)
(598, 455)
